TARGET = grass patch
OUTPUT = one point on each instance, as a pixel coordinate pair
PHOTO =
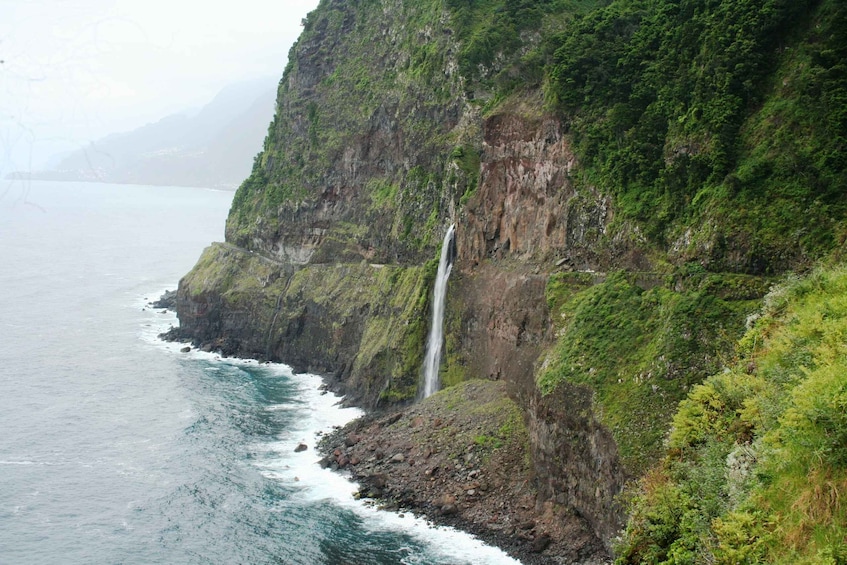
(639, 350)
(758, 452)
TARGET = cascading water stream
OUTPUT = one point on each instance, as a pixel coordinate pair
(432, 361)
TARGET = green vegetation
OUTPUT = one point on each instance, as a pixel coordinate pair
(503, 42)
(403, 385)
(725, 118)
(389, 351)
(488, 442)
(378, 312)
(233, 273)
(757, 460)
(640, 350)
(695, 111)
(382, 193)
(454, 370)
(467, 159)
(718, 127)
(365, 90)
(482, 415)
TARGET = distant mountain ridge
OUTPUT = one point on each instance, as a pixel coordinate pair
(213, 147)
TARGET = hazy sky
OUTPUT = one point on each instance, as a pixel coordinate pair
(75, 70)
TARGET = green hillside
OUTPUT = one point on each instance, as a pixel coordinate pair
(651, 208)
(756, 467)
(725, 118)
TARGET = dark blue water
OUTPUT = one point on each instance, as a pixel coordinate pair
(116, 448)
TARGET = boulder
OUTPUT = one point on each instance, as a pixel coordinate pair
(351, 440)
(540, 543)
(449, 509)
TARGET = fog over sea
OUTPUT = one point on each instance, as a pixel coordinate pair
(117, 448)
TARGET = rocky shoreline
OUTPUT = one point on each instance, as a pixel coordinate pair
(460, 459)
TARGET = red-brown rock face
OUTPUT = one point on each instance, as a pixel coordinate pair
(526, 220)
(526, 205)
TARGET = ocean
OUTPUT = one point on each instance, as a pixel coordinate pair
(116, 448)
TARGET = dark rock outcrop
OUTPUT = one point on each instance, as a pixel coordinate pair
(167, 300)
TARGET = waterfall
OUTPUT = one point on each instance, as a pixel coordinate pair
(432, 361)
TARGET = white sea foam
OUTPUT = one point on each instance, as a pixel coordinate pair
(320, 412)
(317, 484)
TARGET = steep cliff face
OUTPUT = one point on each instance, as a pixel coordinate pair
(527, 205)
(576, 458)
(357, 160)
(375, 148)
(590, 235)
(362, 324)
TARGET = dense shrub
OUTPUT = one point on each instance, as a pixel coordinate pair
(759, 453)
(732, 110)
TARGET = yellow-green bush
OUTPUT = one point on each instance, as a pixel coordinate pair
(759, 451)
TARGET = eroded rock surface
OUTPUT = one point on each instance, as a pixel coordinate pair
(461, 457)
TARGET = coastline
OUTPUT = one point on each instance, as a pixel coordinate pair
(465, 468)
(343, 485)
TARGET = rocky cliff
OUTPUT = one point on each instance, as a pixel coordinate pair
(597, 304)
